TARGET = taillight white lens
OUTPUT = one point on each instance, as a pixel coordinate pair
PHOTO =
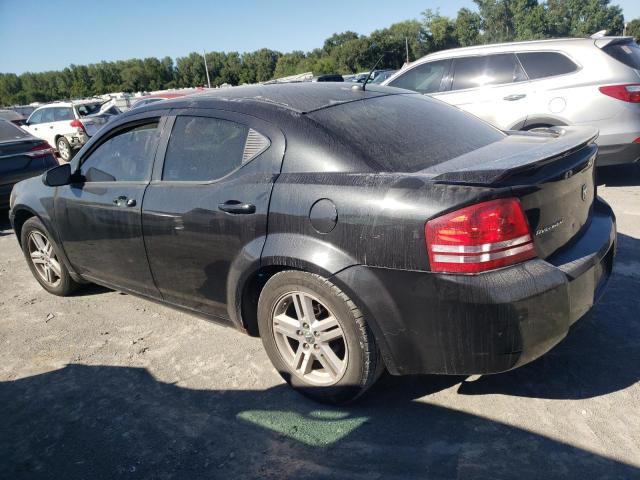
(480, 237)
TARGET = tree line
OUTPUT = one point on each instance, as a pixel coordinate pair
(344, 53)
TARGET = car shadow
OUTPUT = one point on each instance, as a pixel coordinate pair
(114, 422)
(619, 175)
(5, 224)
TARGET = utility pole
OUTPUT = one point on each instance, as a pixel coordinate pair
(406, 47)
(206, 69)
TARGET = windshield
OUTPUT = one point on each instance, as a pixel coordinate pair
(406, 133)
(627, 53)
(88, 109)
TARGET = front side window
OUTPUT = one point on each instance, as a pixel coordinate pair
(127, 156)
(480, 71)
(425, 78)
(36, 117)
(546, 64)
(203, 149)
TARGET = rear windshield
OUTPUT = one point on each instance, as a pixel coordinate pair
(88, 109)
(9, 131)
(406, 133)
(627, 53)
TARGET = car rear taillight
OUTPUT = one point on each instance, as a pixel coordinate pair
(626, 93)
(40, 150)
(77, 124)
(481, 237)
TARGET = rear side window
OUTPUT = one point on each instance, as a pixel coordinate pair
(627, 53)
(62, 113)
(473, 72)
(48, 115)
(406, 133)
(546, 64)
(127, 156)
(425, 78)
(203, 149)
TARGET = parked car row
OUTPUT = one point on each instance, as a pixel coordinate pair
(354, 230)
(68, 125)
(526, 85)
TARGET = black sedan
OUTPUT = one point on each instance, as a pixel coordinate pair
(352, 230)
(21, 156)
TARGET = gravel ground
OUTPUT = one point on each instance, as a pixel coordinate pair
(106, 385)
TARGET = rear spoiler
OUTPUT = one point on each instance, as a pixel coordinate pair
(517, 152)
(606, 41)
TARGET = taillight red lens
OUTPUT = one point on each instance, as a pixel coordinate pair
(481, 237)
(626, 93)
(40, 150)
(76, 124)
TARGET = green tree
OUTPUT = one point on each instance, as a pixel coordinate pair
(633, 29)
(439, 31)
(581, 18)
(467, 27)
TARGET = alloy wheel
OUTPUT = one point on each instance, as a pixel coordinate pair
(64, 150)
(44, 258)
(309, 339)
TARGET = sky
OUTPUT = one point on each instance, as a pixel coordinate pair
(40, 35)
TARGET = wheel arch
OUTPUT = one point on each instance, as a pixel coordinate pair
(21, 215)
(281, 252)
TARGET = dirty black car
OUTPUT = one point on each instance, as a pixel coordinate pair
(353, 231)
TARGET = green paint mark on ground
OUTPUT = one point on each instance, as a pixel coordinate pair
(317, 429)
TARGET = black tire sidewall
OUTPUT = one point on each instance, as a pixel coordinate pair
(67, 284)
(356, 376)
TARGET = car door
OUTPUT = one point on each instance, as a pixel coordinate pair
(62, 117)
(207, 204)
(493, 87)
(99, 215)
(38, 123)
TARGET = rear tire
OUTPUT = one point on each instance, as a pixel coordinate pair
(64, 149)
(43, 258)
(317, 338)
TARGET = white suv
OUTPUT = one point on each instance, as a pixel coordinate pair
(525, 85)
(66, 125)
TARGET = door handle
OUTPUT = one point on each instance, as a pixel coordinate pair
(123, 201)
(236, 207)
(51, 127)
(515, 96)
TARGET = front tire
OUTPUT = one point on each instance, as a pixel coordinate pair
(317, 338)
(64, 149)
(44, 260)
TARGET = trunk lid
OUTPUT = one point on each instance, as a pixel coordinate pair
(551, 170)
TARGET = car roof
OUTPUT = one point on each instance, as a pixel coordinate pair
(300, 97)
(548, 43)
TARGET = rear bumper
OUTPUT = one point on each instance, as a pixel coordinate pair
(77, 140)
(487, 323)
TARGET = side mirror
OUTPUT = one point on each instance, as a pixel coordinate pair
(57, 176)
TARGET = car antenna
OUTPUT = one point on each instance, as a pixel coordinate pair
(366, 80)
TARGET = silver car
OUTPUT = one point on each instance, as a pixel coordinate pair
(525, 85)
